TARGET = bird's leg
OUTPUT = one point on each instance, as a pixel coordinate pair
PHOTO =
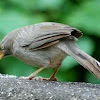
(52, 78)
(33, 74)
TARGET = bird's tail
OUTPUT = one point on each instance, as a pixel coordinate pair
(88, 62)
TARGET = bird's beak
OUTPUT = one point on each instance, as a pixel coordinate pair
(2, 54)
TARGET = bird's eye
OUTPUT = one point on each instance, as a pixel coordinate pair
(2, 47)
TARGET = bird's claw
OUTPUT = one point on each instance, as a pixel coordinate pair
(25, 78)
(38, 78)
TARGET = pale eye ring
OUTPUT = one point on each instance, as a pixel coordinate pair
(2, 47)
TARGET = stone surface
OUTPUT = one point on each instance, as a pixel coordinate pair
(13, 88)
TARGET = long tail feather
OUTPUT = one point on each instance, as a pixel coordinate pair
(88, 62)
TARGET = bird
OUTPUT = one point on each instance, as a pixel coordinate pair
(46, 45)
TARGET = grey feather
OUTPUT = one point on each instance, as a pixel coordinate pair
(88, 62)
(46, 45)
(46, 33)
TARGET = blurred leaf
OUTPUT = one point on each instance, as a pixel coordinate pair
(67, 75)
(1, 4)
(87, 45)
(26, 5)
(1, 36)
(16, 67)
(49, 4)
(38, 4)
(86, 16)
(12, 20)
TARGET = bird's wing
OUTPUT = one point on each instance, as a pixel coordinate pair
(46, 34)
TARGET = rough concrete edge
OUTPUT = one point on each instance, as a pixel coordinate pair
(13, 88)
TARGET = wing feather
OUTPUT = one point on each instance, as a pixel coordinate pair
(45, 42)
(44, 35)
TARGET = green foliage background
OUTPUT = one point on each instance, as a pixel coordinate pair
(82, 14)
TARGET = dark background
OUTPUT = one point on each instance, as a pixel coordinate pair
(82, 14)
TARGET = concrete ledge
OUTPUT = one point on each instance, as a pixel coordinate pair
(12, 88)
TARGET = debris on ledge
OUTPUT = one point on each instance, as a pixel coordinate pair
(13, 88)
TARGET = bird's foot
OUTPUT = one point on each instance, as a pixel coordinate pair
(34, 78)
(50, 79)
(30, 78)
(38, 78)
(45, 79)
(26, 78)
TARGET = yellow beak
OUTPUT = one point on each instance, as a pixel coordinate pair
(1, 54)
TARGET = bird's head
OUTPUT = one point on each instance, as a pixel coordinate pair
(5, 48)
(6, 45)
(4, 51)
